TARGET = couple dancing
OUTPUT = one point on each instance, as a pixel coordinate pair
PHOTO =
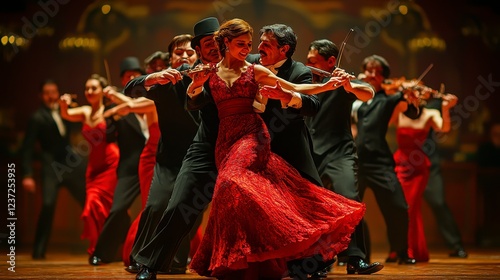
(263, 212)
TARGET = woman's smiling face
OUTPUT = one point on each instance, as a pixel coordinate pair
(240, 46)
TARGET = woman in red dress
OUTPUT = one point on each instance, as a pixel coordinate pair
(103, 157)
(413, 166)
(263, 212)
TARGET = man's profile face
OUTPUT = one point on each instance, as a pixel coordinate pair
(208, 49)
(270, 52)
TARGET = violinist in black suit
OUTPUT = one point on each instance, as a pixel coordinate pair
(177, 128)
(334, 150)
(376, 162)
(60, 164)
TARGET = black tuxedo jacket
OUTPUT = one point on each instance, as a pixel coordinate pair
(331, 127)
(373, 122)
(177, 126)
(290, 137)
(54, 148)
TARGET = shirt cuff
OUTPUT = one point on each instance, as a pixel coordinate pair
(258, 107)
(295, 102)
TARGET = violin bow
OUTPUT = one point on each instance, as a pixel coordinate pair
(108, 76)
(342, 47)
(425, 72)
(106, 68)
(323, 73)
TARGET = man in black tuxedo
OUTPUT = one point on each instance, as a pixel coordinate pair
(334, 151)
(60, 165)
(178, 127)
(434, 193)
(129, 133)
(376, 162)
(194, 185)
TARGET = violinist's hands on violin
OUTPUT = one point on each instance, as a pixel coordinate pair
(341, 78)
(276, 92)
(163, 77)
(201, 73)
(412, 96)
(449, 100)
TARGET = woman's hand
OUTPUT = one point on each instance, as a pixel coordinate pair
(276, 92)
(449, 100)
(65, 100)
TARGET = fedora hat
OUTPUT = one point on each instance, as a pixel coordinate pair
(130, 63)
(203, 28)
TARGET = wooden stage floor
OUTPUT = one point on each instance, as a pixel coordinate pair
(481, 264)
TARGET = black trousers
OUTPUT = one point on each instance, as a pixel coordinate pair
(189, 198)
(74, 180)
(116, 226)
(391, 201)
(435, 196)
(339, 174)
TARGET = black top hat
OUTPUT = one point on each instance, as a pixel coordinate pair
(130, 63)
(203, 28)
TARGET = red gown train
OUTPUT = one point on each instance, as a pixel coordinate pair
(101, 181)
(263, 212)
(412, 169)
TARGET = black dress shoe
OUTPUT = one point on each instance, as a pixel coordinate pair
(297, 272)
(320, 274)
(401, 259)
(95, 260)
(342, 261)
(146, 273)
(175, 270)
(134, 267)
(359, 266)
(406, 260)
(459, 253)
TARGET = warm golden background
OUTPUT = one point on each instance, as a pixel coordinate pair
(68, 40)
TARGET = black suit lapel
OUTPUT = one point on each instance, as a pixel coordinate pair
(49, 120)
(284, 70)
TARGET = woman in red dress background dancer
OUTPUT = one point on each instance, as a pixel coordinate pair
(103, 157)
(413, 165)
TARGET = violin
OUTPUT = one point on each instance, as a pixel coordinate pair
(402, 84)
(200, 68)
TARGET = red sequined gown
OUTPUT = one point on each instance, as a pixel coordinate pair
(412, 169)
(146, 166)
(100, 182)
(263, 212)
